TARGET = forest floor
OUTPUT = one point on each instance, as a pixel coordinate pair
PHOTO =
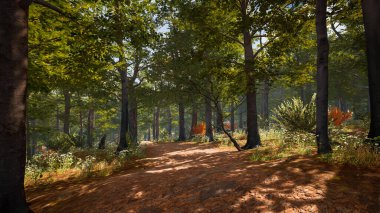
(189, 177)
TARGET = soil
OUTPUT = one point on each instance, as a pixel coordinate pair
(188, 177)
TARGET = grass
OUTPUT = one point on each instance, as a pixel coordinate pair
(347, 144)
(80, 164)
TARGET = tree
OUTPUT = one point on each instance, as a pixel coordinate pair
(322, 79)
(371, 17)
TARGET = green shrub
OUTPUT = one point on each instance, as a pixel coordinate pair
(60, 142)
(295, 116)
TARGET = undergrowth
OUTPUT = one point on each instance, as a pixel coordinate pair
(78, 164)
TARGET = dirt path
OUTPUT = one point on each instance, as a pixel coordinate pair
(187, 177)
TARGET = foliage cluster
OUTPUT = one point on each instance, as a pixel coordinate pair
(52, 166)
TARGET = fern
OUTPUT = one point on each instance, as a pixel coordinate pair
(295, 116)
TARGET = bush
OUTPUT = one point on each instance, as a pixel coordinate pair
(337, 117)
(60, 142)
(295, 116)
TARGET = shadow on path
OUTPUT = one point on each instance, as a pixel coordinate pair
(187, 177)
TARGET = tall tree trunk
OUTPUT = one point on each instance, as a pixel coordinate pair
(232, 117)
(181, 118)
(194, 119)
(322, 78)
(132, 114)
(13, 79)
(90, 128)
(265, 101)
(219, 118)
(124, 112)
(253, 137)
(170, 120)
(66, 116)
(157, 121)
(371, 16)
(208, 119)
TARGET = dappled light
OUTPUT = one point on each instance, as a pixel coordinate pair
(188, 176)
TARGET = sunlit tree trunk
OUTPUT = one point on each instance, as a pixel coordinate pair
(371, 14)
(322, 78)
(13, 79)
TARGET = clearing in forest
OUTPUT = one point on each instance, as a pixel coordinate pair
(189, 177)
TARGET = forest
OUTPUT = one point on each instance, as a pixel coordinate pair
(189, 106)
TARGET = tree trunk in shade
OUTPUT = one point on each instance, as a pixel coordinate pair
(123, 144)
(208, 119)
(371, 16)
(322, 138)
(66, 115)
(13, 81)
(232, 117)
(181, 118)
(194, 119)
(253, 137)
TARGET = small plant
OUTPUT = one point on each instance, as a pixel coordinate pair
(295, 116)
(337, 117)
(199, 129)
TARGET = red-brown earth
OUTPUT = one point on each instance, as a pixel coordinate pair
(188, 177)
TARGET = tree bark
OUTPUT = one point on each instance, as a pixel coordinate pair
(181, 118)
(253, 137)
(124, 112)
(232, 118)
(208, 119)
(371, 16)
(322, 138)
(90, 128)
(66, 116)
(13, 79)
(194, 119)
